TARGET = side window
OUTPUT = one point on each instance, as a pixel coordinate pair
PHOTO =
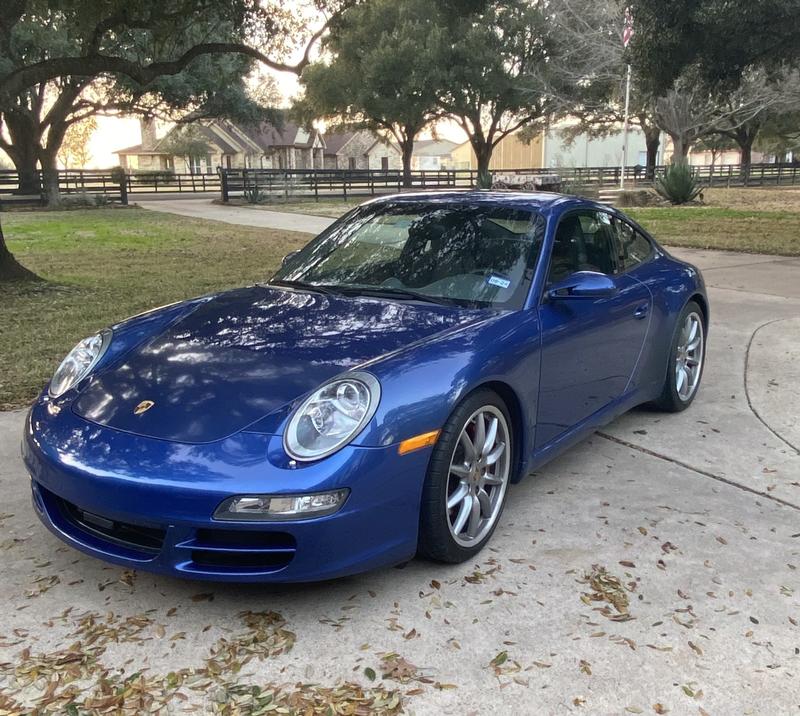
(634, 248)
(584, 241)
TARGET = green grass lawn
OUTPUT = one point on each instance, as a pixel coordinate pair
(103, 265)
(708, 227)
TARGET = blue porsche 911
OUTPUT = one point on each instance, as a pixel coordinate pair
(371, 401)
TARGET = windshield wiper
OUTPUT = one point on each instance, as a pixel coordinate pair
(390, 292)
(319, 288)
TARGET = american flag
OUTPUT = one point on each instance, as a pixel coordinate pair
(627, 30)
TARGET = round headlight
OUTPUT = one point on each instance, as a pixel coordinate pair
(332, 416)
(79, 363)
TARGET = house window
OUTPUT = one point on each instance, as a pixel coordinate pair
(197, 164)
(351, 162)
(385, 163)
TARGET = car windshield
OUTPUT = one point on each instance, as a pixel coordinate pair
(465, 254)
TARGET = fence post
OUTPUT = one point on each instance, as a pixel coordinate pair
(123, 189)
(223, 184)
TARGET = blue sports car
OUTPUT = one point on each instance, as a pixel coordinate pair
(374, 399)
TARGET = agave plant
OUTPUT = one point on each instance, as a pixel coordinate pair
(678, 184)
(254, 194)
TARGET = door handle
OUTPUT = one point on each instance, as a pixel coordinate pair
(641, 312)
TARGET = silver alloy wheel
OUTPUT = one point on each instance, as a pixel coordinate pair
(689, 356)
(479, 469)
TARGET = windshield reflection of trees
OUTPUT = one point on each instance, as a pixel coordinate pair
(439, 250)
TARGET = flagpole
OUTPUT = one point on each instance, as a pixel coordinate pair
(625, 129)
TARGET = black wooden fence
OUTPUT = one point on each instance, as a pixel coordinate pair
(254, 184)
(108, 185)
(266, 184)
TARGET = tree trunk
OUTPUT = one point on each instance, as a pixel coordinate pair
(52, 194)
(29, 182)
(25, 158)
(746, 149)
(680, 149)
(10, 268)
(407, 149)
(652, 142)
(483, 153)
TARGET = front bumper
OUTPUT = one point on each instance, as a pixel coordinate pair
(147, 504)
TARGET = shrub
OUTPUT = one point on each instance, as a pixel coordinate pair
(254, 194)
(77, 200)
(117, 174)
(637, 197)
(678, 184)
(84, 200)
(149, 176)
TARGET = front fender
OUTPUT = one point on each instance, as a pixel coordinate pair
(421, 388)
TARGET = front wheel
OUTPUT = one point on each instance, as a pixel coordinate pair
(687, 356)
(467, 480)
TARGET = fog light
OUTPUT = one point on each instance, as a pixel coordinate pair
(280, 507)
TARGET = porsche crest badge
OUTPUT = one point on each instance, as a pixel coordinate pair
(143, 407)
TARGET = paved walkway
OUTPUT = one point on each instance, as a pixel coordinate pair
(205, 209)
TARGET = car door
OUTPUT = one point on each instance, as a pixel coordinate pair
(590, 344)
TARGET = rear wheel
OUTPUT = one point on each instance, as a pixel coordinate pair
(686, 360)
(467, 480)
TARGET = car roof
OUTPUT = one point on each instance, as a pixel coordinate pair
(530, 200)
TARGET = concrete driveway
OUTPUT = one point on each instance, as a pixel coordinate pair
(652, 569)
(241, 215)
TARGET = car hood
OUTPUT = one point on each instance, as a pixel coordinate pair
(245, 353)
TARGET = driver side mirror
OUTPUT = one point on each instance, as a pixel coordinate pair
(583, 284)
(288, 258)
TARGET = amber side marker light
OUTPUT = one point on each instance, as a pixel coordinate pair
(417, 442)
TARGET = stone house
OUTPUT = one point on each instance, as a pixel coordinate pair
(360, 150)
(230, 145)
(433, 154)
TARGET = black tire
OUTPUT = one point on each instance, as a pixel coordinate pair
(436, 541)
(670, 401)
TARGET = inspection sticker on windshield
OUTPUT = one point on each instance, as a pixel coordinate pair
(498, 281)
